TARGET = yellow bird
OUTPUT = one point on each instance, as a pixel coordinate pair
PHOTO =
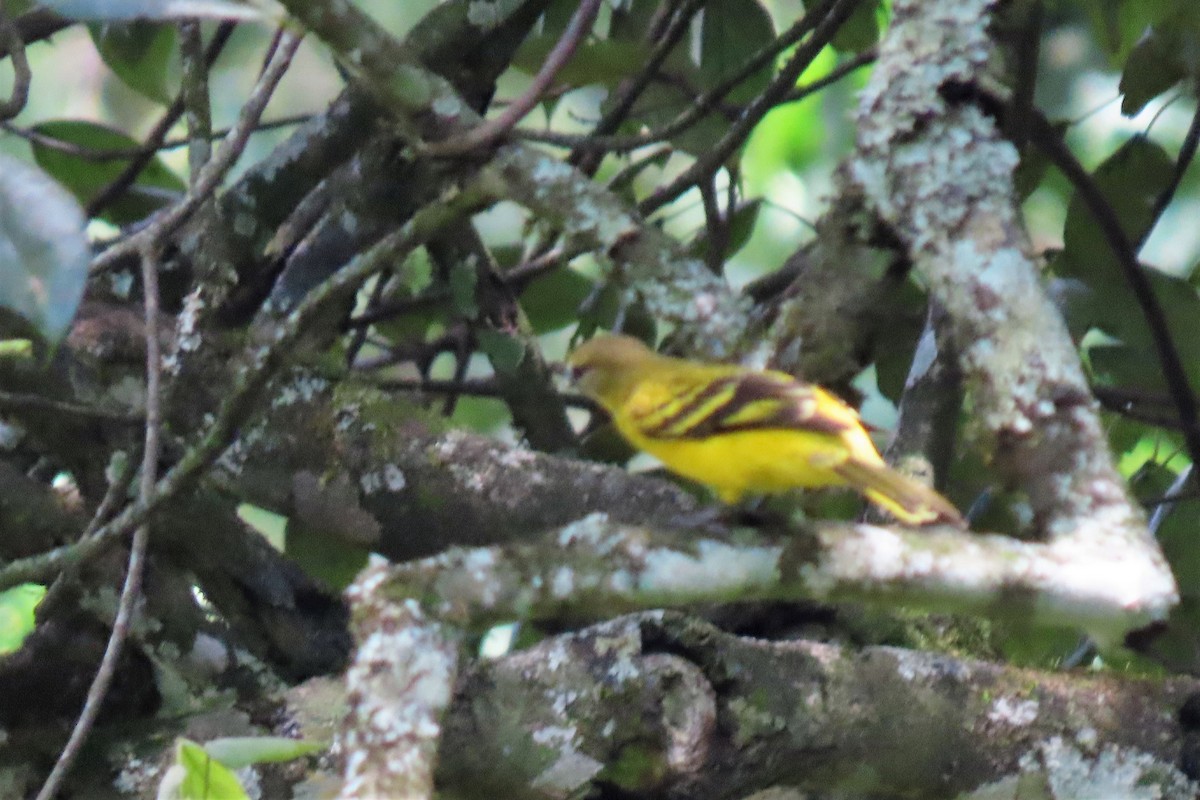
(744, 432)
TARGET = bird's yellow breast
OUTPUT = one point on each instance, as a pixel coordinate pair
(748, 462)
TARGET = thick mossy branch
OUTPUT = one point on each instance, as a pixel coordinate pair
(397, 689)
(595, 568)
(661, 705)
(938, 170)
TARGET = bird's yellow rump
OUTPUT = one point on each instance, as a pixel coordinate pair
(742, 431)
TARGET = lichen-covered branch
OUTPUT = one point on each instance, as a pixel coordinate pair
(389, 475)
(401, 681)
(935, 167)
(660, 705)
(595, 567)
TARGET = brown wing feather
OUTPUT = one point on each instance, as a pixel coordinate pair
(755, 401)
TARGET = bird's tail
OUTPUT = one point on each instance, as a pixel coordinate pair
(906, 498)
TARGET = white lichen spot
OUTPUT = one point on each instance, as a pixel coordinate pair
(562, 583)
(561, 701)
(911, 666)
(468, 478)
(305, 388)
(390, 478)
(586, 531)
(447, 106)
(1114, 772)
(1013, 712)
(557, 655)
(1087, 737)
(567, 775)
(245, 224)
(370, 483)
(479, 563)
(516, 457)
(624, 650)
(549, 171)
(446, 447)
(137, 775)
(187, 336)
(483, 15)
(621, 581)
(713, 567)
(121, 284)
(393, 478)
(251, 782)
(554, 735)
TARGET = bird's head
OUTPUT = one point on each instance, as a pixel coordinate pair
(609, 366)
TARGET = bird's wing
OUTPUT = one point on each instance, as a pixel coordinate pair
(711, 403)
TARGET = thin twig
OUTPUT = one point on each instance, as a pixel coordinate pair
(208, 179)
(258, 364)
(101, 154)
(194, 93)
(588, 161)
(824, 21)
(38, 25)
(1187, 152)
(863, 59)
(158, 133)
(10, 40)
(716, 227)
(395, 308)
(475, 387)
(120, 475)
(493, 129)
(359, 338)
(1025, 53)
(705, 102)
(17, 401)
(132, 589)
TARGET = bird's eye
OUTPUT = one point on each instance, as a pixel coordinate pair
(578, 371)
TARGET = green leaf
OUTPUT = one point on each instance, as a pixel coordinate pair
(44, 253)
(552, 301)
(326, 557)
(504, 351)
(1153, 67)
(659, 105)
(142, 55)
(1031, 169)
(236, 752)
(558, 13)
(16, 614)
(124, 10)
(1100, 298)
(605, 62)
(1131, 180)
(741, 225)
(155, 186)
(205, 778)
(482, 414)
(861, 30)
(1177, 537)
(1130, 358)
(631, 19)
(271, 526)
(732, 31)
(462, 281)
